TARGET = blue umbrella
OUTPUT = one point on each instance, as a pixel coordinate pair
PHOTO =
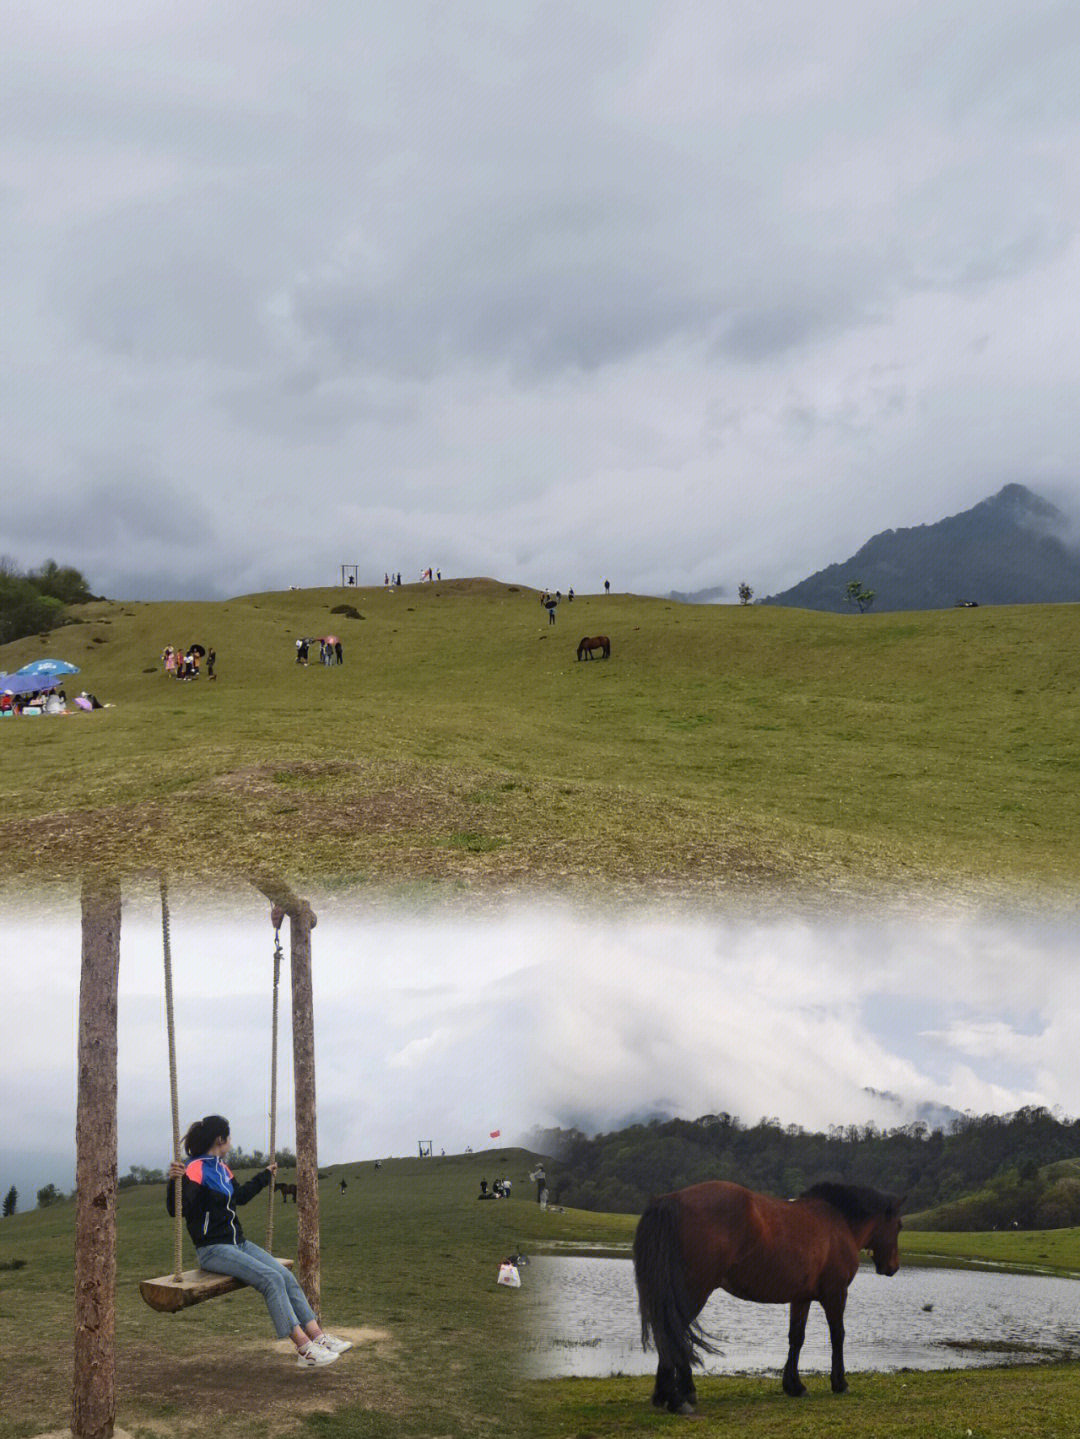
(20, 684)
(48, 667)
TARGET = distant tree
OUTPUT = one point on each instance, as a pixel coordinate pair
(35, 602)
(746, 594)
(49, 1195)
(854, 594)
(63, 582)
(140, 1174)
(24, 610)
(11, 1199)
(1059, 1207)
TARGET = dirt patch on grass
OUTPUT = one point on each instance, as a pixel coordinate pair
(364, 825)
(249, 1387)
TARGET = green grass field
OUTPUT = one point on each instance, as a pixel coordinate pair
(409, 1261)
(407, 1252)
(721, 753)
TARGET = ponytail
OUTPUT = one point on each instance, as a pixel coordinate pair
(204, 1132)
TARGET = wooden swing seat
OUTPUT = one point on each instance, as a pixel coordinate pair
(168, 1294)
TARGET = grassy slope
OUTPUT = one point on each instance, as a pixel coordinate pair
(720, 751)
(409, 1251)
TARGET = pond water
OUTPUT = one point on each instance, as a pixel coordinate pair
(584, 1322)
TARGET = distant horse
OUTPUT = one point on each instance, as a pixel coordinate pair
(595, 642)
(287, 1192)
(774, 1251)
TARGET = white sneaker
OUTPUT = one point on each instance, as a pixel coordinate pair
(313, 1354)
(331, 1342)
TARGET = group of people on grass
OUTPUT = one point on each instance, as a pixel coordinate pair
(500, 1189)
(39, 702)
(331, 651)
(551, 602)
(45, 702)
(427, 576)
(186, 664)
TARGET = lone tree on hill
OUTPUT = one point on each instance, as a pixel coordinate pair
(746, 594)
(854, 594)
(11, 1199)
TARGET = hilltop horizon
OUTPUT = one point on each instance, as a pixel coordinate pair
(1013, 546)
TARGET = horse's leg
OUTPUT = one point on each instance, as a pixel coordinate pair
(833, 1306)
(664, 1390)
(793, 1385)
(686, 1393)
(674, 1389)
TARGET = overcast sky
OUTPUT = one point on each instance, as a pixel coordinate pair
(449, 1029)
(675, 293)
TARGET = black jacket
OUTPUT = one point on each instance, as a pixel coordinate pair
(209, 1199)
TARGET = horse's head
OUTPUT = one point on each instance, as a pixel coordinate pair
(884, 1240)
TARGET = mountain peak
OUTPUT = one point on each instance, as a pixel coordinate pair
(1021, 503)
(1008, 549)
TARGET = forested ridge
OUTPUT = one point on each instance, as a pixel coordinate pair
(982, 1172)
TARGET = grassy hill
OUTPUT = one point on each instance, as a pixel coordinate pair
(1042, 1198)
(461, 748)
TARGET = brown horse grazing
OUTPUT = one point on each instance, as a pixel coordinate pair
(287, 1192)
(774, 1251)
(595, 642)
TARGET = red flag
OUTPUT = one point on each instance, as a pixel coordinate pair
(495, 1134)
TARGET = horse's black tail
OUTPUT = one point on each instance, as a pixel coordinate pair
(666, 1309)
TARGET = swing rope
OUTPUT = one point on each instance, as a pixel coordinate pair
(178, 1184)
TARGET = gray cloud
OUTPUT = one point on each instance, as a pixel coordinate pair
(507, 255)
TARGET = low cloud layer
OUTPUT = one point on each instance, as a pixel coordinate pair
(448, 1030)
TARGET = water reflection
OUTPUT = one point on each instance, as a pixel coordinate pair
(585, 1322)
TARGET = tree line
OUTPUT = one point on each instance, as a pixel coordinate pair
(35, 601)
(985, 1171)
(142, 1174)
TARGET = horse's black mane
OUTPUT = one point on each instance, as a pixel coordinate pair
(855, 1202)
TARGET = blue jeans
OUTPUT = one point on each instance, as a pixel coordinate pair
(285, 1299)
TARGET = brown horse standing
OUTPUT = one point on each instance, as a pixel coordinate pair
(774, 1251)
(594, 642)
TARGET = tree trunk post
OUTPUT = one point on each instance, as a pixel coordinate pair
(93, 1404)
(301, 923)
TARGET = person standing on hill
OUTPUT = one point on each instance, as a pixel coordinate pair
(339, 652)
(209, 1196)
(607, 587)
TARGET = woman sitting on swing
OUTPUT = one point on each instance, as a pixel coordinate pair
(209, 1199)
